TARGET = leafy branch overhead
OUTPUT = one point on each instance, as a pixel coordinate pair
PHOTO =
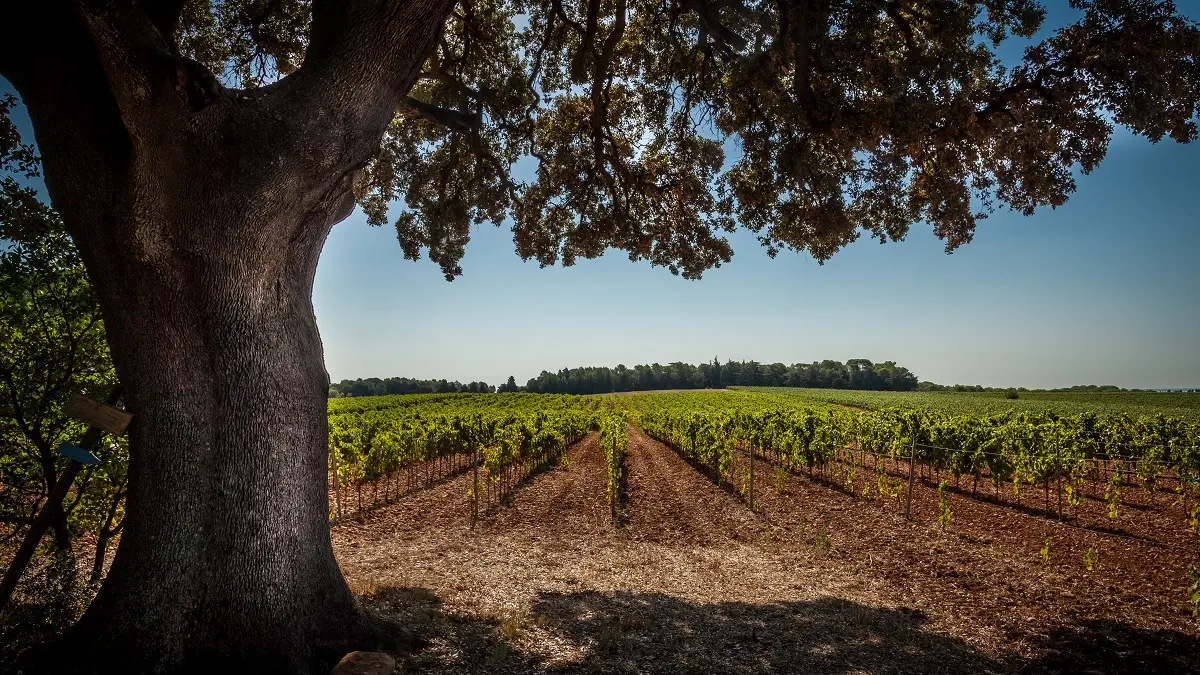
(846, 115)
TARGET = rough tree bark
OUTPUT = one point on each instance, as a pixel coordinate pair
(200, 213)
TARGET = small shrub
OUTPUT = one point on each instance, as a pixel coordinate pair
(1074, 497)
(1045, 552)
(780, 479)
(1091, 560)
(1012, 394)
(1112, 494)
(510, 628)
(822, 541)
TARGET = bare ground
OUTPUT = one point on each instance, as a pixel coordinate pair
(691, 581)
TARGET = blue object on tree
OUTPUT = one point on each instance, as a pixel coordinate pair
(72, 451)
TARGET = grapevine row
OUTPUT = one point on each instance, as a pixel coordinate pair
(715, 430)
(614, 439)
(419, 440)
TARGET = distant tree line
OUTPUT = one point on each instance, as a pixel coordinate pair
(854, 374)
(373, 386)
(932, 386)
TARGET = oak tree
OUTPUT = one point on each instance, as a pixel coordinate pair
(200, 150)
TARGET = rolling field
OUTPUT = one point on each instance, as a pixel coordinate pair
(747, 532)
(1184, 406)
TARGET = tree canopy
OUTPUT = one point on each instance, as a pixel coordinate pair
(849, 116)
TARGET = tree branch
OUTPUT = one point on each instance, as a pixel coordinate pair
(164, 15)
(363, 56)
(588, 44)
(15, 401)
(562, 14)
(146, 78)
(601, 79)
(81, 488)
(1009, 94)
(893, 12)
(439, 74)
(707, 13)
(452, 119)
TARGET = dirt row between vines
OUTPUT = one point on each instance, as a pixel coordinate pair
(692, 581)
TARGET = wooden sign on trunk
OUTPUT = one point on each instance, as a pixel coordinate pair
(97, 414)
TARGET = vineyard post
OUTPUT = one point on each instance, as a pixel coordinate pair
(474, 486)
(337, 488)
(614, 491)
(1058, 470)
(752, 477)
(912, 466)
(612, 499)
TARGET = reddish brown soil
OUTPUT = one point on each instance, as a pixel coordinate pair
(358, 500)
(817, 581)
(669, 502)
(985, 574)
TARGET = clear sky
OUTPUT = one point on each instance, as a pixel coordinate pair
(1104, 290)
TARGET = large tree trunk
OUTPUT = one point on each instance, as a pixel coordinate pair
(225, 563)
(200, 213)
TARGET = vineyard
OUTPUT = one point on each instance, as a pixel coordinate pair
(394, 445)
(1013, 450)
(1178, 405)
(980, 519)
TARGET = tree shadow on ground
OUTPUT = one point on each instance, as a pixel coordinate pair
(653, 633)
(623, 632)
(1115, 648)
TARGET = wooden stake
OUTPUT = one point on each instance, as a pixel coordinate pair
(912, 466)
(1058, 456)
(752, 477)
(474, 486)
(337, 488)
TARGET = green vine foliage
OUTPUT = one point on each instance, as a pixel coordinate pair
(373, 440)
(1021, 449)
(614, 440)
(944, 514)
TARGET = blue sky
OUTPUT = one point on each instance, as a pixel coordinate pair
(1103, 290)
